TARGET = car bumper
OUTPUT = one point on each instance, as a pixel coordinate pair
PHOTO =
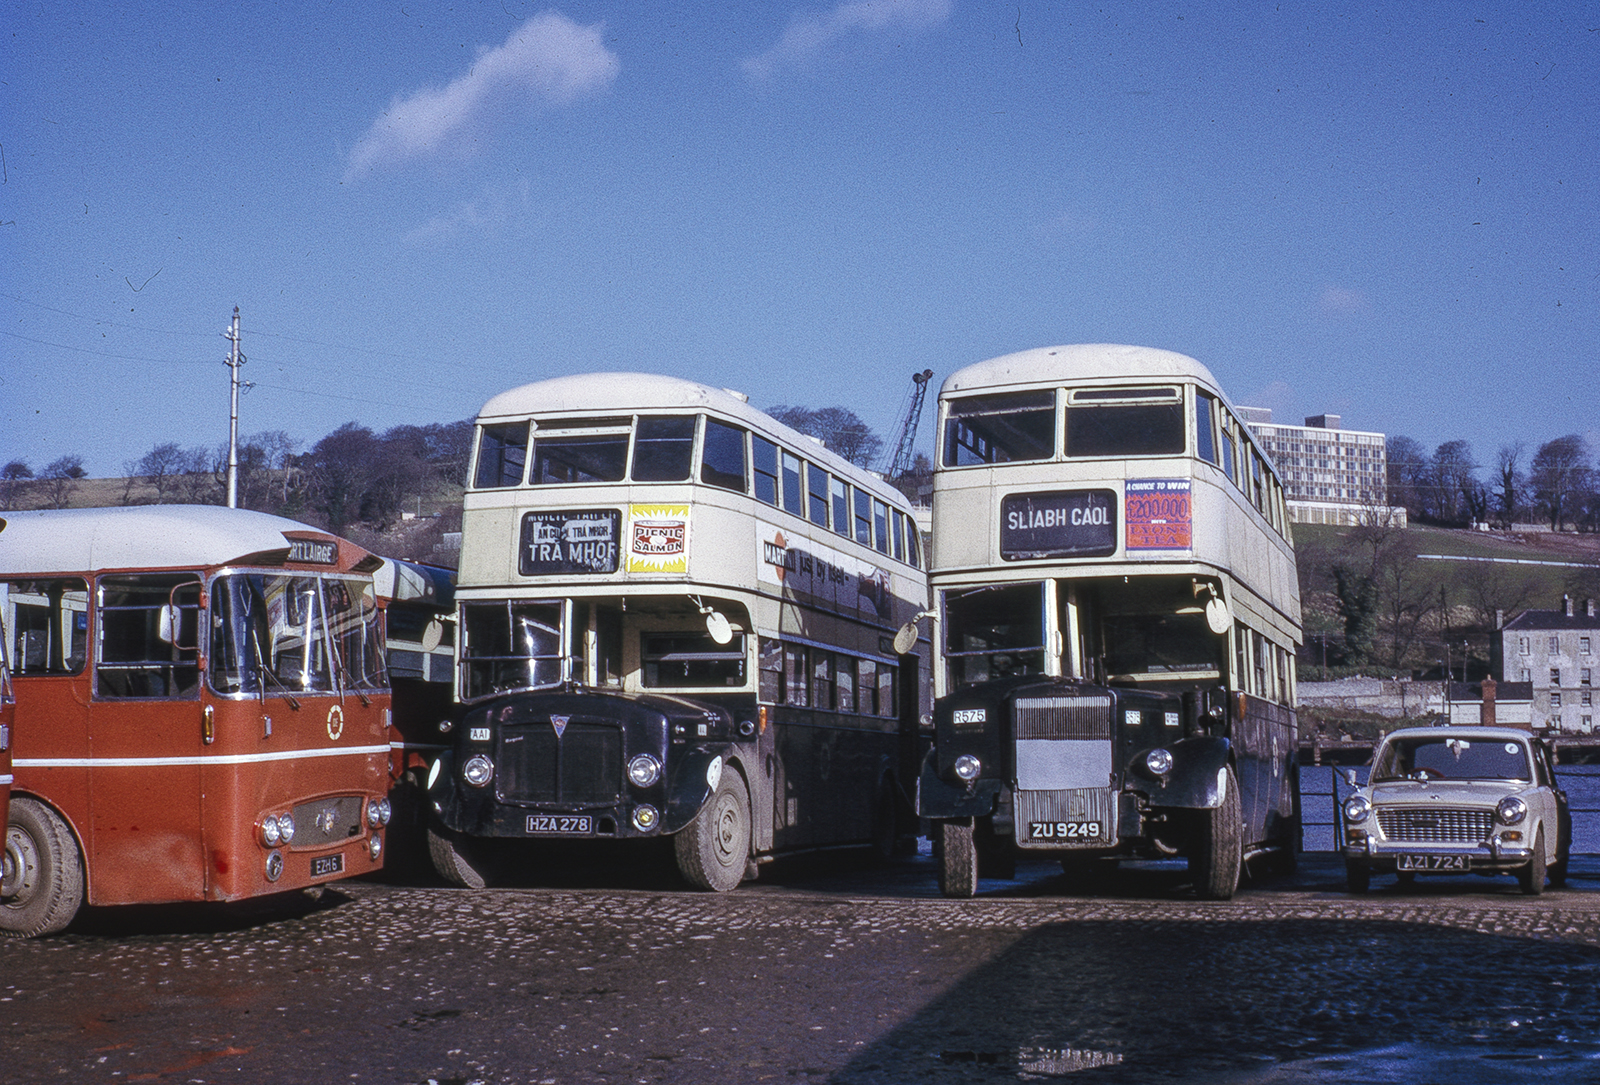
(1385, 855)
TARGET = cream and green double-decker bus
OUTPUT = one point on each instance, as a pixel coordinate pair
(1116, 616)
(676, 619)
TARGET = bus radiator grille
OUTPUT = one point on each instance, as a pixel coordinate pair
(583, 765)
(327, 821)
(1077, 805)
(1085, 717)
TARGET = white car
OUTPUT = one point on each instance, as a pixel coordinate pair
(1453, 800)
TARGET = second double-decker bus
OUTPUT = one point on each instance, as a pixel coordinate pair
(202, 708)
(8, 866)
(1117, 612)
(676, 618)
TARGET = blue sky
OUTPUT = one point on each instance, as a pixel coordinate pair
(1385, 211)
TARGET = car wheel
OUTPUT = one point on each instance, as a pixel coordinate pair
(958, 860)
(1356, 876)
(1531, 877)
(1558, 869)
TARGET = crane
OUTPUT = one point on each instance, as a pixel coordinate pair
(900, 463)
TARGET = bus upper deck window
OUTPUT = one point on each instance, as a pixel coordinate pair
(839, 491)
(817, 494)
(863, 518)
(1125, 422)
(766, 469)
(1205, 427)
(791, 483)
(880, 526)
(722, 460)
(574, 450)
(663, 448)
(502, 454)
(1006, 428)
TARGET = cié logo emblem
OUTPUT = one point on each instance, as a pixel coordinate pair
(335, 722)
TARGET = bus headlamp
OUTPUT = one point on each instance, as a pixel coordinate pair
(1158, 762)
(378, 813)
(375, 847)
(967, 767)
(271, 836)
(643, 770)
(1356, 808)
(645, 817)
(1510, 810)
(478, 770)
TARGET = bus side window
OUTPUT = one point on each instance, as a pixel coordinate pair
(1258, 485)
(49, 623)
(817, 492)
(1228, 466)
(766, 468)
(769, 671)
(839, 489)
(148, 649)
(899, 535)
(722, 460)
(1205, 431)
(844, 684)
(880, 526)
(794, 675)
(502, 455)
(821, 679)
(791, 482)
(863, 518)
(914, 542)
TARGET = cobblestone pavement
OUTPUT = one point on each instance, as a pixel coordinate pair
(823, 972)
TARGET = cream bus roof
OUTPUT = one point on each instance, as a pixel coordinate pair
(1047, 366)
(140, 537)
(629, 393)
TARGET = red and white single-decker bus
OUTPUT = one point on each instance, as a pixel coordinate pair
(202, 708)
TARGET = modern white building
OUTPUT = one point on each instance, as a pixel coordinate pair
(1330, 475)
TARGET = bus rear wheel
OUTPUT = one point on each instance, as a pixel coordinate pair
(456, 860)
(714, 849)
(1216, 856)
(43, 886)
(958, 859)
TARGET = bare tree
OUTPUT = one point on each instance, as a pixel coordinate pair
(1508, 473)
(61, 480)
(837, 427)
(1560, 469)
(160, 468)
(14, 483)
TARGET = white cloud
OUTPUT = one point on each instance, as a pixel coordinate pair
(1341, 300)
(810, 34)
(548, 60)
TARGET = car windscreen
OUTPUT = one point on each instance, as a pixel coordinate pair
(1449, 758)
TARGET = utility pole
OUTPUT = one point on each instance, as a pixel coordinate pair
(235, 360)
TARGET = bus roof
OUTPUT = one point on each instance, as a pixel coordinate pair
(156, 537)
(1050, 366)
(629, 393)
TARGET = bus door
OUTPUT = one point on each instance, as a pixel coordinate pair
(148, 736)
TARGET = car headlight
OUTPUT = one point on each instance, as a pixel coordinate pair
(1510, 810)
(1158, 762)
(643, 770)
(1356, 808)
(967, 767)
(478, 770)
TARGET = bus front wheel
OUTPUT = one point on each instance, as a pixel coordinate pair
(714, 849)
(455, 860)
(958, 859)
(43, 884)
(1216, 857)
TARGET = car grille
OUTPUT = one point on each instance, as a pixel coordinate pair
(582, 765)
(1435, 825)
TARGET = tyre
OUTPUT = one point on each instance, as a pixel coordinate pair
(1357, 878)
(45, 886)
(1558, 869)
(456, 859)
(1531, 877)
(713, 850)
(958, 860)
(1216, 856)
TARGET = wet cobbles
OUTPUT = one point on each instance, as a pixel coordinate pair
(847, 979)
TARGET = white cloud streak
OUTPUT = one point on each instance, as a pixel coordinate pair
(809, 35)
(1342, 301)
(547, 61)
